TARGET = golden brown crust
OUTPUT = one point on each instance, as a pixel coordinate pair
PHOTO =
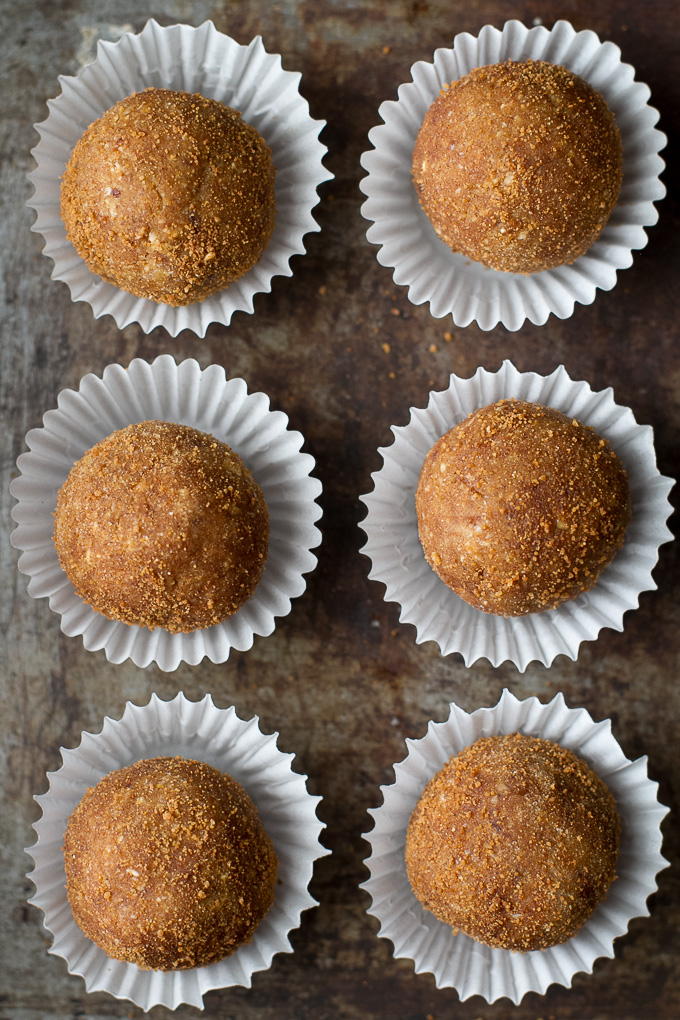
(168, 864)
(520, 508)
(170, 196)
(519, 165)
(514, 842)
(162, 525)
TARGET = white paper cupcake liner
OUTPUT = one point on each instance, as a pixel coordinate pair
(196, 730)
(203, 60)
(468, 291)
(208, 401)
(458, 961)
(437, 613)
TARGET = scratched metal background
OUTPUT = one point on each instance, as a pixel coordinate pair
(339, 348)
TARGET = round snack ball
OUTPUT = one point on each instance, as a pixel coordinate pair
(169, 196)
(520, 508)
(168, 865)
(514, 842)
(161, 525)
(518, 165)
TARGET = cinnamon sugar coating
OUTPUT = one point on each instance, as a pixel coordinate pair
(520, 508)
(169, 196)
(168, 865)
(514, 842)
(518, 165)
(161, 525)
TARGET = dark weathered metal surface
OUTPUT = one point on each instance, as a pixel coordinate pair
(339, 348)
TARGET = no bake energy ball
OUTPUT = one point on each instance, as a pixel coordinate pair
(168, 865)
(520, 508)
(518, 165)
(514, 842)
(162, 525)
(170, 196)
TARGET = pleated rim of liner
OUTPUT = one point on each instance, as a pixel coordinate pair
(208, 401)
(457, 961)
(197, 730)
(438, 614)
(203, 60)
(468, 291)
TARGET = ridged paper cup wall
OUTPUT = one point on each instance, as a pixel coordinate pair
(200, 731)
(202, 60)
(458, 961)
(437, 613)
(468, 291)
(206, 400)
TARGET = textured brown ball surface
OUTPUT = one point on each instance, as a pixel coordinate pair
(520, 508)
(163, 526)
(514, 842)
(168, 864)
(518, 165)
(169, 196)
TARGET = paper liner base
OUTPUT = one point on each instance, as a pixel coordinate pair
(468, 291)
(218, 736)
(458, 961)
(208, 401)
(426, 602)
(203, 60)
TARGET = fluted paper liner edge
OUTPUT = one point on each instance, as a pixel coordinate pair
(458, 961)
(208, 401)
(466, 290)
(437, 613)
(201, 731)
(181, 57)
